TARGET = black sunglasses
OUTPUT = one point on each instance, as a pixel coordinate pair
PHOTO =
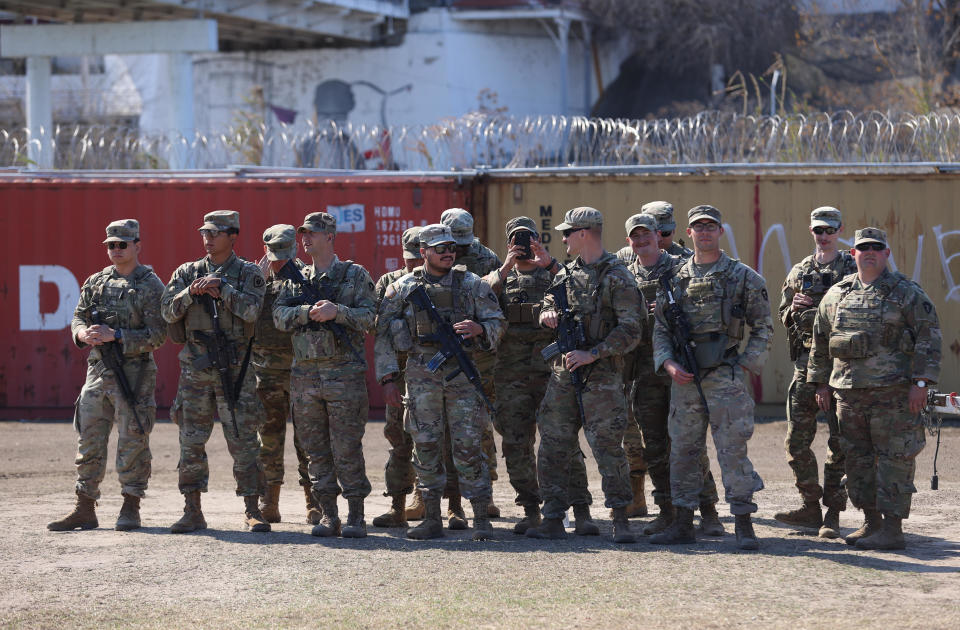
(865, 247)
(569, 231)
(666, 232)
(117, 245)
(444, 249)
(822, 230)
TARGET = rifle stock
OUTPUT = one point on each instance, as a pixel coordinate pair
(570, 336)
(112, 356)
(679, 330)
(220, 355)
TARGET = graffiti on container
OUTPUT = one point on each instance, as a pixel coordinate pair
(68, 290)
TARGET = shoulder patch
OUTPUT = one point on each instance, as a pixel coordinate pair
(927, 307)
(763, 292)
(258, 281)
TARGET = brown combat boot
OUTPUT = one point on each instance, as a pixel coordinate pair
(270, 503)
(710, 524)
(638, 507)
(888, 537)
(83, 516)
(313, 509)
(549, 529)
(329, 524)
(831, 524)
(416, 509)
(872, 523)
(621, 527)
(129, 517)
(192, 518)
(807, 516)
(356, 527)
(394, 517)
(482, 529)
(743, 527)
(456, 517)
(680, 530)
(432, 526)
(492, 510)
(663, 520)
(252, 517)
(583, 522)
(531, 519)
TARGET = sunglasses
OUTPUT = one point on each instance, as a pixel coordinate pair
(569, 231)
(211, 233)
(666, 232)
(445, 249)
(705, 226)
(866, 247)
(824, 230)
(117, 245)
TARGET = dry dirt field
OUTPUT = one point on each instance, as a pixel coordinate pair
(226, 577)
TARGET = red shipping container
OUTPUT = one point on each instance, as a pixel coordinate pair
(52, 230)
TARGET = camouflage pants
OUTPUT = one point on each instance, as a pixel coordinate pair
(486, 364)
(99, 406)
(651, 405)
(398, 474)
(882, 440)
(330, 415)
(199, 398)
(436, 408)
(802, 411)
(559, 423)
(731, 423)
(273, 388)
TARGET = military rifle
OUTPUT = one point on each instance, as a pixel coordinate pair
(309, 294)
(451, 344)
(679, 329)
(570, 336)
(221, 354)
(111, 353)
(938, 405)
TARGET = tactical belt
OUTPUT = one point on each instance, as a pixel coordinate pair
(523, 313)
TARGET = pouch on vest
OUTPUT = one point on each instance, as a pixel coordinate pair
(710, 349)
(177, 331)
(314, 344)
(849, 345)
(400, 334)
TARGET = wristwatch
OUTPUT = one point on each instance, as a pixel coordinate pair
(920, 383)
(118, 334)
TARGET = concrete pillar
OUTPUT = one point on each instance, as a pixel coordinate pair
(39, 112)
(180, 105)
(587, 69)
(563, 31)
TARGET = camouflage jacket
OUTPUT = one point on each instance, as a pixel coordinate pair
(239, 304)
(458, 295)
(604, 296)
(128, 303)
(352, 290)
(676, 249)
(386, 280)
(875, 335)
(812, 279)
(640, 361)
(479, 259)
(521, 295)
(272, 347)
(717, 305)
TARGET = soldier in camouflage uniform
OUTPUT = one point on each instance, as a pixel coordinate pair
(603, 295)
(522, 375)
(272, 358)
(222, 283)
(434, 405)
(662, 211)
(327, 384)
(126, 295)
(480, 260)
(876, 350)
(717, 295)
(649, 393)
(399, 474)
(802, 291)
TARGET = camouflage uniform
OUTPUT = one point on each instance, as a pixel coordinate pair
(717, 300)
(869, 343)
(604, 296)
(330, 403)
(812, 279)
(200, 393)
(130, 304)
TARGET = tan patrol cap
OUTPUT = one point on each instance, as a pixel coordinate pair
(521, 223)
(825, 216)
(662, 211)
(703, 211)
(870, 235)
(319, 222)
(582, 217)
(281, 242)
(644, 220)
(436, 234)
(123, 230)
(221, 220)
(411, 243)
(461, 224)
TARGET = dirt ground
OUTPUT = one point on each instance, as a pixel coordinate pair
(228, 578)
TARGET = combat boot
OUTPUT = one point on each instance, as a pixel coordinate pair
(743, 527)
(807, 516)
(482, 529)
(192, 518)
(253, 518)
(313, 509)
(872, 523)
(831, 524)
(710, 524)
(663, 520)
(329, 524)
(621, 527)
(129, 514)
(888, 537)
(638, 507)
(270, 504)
(531, 519)
(549, 529)
(680, 530)
(583, 522)
(356, 527)
(416, 509)
(492, 510)
(394, 517)
(432, 526)
(456, 517)
(83, 516)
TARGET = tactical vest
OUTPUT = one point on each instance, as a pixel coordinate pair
(267, 335)
(814, 283)
(714, 306)
(870, 324)
(521, 297)
(119, 300)
(197, 317)
(318, 342)
(450, 304)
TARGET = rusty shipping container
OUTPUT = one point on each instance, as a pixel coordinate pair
(52, 228)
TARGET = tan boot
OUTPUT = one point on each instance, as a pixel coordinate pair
(356, 527)
(456, 517)
(807, 516)
(663, 520)
(482, 529)
(638, 507)
(253, 518)
(270, 503)
(549, 529)
(313, 509)
(831, 524)
(83, 516)
(394, 516)
(743, 528)
(680, 530)
(872, 523)
(531, 519)
(889, 536)
(129, 514)
(583, 522)
(710, 524)
(432, 526)
(329, 525)
(621, 527)
(492, 510)
(192, 518)
(416, 509)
